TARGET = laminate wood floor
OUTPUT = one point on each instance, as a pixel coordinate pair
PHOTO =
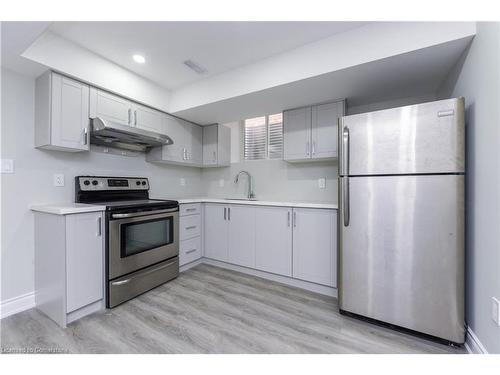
(208, 309)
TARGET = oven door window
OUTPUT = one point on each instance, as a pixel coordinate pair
(141, 236)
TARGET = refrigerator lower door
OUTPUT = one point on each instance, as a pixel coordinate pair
(401, 251)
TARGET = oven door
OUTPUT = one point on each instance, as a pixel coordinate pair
(140, 239)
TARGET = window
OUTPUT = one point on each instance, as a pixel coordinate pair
(264, 137)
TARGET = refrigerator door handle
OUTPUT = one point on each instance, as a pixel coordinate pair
(345, 201)
(345, 150)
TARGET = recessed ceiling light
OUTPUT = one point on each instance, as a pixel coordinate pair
(139, 59)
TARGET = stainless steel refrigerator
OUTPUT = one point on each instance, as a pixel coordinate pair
(401, 217)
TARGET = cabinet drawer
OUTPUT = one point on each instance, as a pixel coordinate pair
(190, 250)
(190, 226)
(189, 209)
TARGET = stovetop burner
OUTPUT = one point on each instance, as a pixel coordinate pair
(118, 193)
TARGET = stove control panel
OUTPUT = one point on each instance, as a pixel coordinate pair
(94, 183)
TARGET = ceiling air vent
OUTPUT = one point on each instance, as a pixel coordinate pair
(194, 66)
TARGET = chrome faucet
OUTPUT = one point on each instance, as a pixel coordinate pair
(251, 194)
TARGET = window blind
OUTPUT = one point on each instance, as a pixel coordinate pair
(275, 136)
(255, 138)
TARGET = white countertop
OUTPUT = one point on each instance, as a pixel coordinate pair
(258, 202)
(66, 208)
(75, 208)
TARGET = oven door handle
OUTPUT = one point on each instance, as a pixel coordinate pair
(143, 213)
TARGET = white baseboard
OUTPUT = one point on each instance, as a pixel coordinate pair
(17, 304)
(187, 266)
(312, 287)
(472, 343)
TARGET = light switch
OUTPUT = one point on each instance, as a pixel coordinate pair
(183, 182)
(322, 183)
(7, 166)
(221, 182)
(58, 179)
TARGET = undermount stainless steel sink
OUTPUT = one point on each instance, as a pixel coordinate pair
(241, 199)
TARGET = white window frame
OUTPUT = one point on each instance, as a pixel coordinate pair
(266, 146)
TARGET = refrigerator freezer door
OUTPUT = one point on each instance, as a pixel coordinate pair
(423, 138)
(401, 257)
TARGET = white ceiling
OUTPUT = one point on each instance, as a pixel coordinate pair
(413, 74)
(217, 46)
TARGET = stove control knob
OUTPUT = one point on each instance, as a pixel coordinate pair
(138, 182)
(86, 182)
(143, 183)
(94, 182)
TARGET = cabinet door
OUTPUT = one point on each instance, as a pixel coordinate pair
(324, 129)
(176, 131)
(210, 145)
(149, 119)
(216, 230)
(110, 107)
(241, 235)
(69, 113)
(297, 134)
(194, 144)
(223, 146)
(273, 240)
(84, 260)
(314, 245)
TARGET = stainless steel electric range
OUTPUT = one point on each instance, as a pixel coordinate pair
(142, 245)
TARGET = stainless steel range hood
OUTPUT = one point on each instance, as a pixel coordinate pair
(112, 134)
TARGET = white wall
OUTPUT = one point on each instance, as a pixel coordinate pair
(32, 181)
(273, 179)
(66, 57)
(477, 78)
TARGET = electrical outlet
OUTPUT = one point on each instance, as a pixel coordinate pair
(183, 182)
(58, 180)
(495, 310)
(7, 166)
(322, 182)
(221, 182)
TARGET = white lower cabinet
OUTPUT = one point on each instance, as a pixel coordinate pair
(189, 250)
(299, 242)
(216, 231)
(84, 260)
(230, 233)
(241, 235)
(314, 245)
(190, 243)
(69, 265)
(273, 240)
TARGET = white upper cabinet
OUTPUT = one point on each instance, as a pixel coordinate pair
(187, 146)
(273, 240)
(324, 126)
(61, 113)
(216, 146)
(149, 119)
(110, 107)
(310, 133)
(314, 245)
(193, 143)
(297, 134)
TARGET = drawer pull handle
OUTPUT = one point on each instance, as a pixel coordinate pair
(190, 251)
(191, 227)
(190, 209)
